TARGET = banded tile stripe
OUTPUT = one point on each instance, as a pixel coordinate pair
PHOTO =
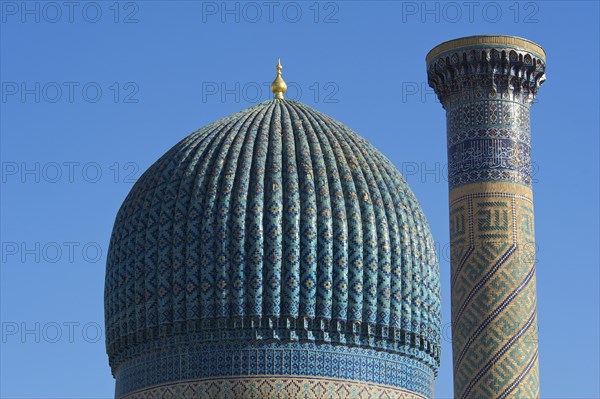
(495, 314)
(492, 194)
(516, 382)
(498, 355)
(484, 280)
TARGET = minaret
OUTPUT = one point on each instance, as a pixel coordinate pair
(487, 84)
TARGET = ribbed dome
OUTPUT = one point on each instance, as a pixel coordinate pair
(277, 223)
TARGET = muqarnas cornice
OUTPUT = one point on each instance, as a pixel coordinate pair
(484, 68)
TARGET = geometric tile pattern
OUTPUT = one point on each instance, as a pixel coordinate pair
(487, 88)
(213, 361)
(273, 388)
(274, 224)
(494, 334)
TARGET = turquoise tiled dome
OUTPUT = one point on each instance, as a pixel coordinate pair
(274, 225)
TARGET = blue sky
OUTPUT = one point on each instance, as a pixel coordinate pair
(94, 92)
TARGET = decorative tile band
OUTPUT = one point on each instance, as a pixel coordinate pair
(214, 361)
(269, 387)
(488, 140)
(289, 330)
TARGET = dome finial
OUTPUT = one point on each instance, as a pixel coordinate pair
(278, 87)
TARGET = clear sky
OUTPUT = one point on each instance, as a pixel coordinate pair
(94, 92)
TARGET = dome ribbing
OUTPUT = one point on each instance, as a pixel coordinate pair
(275, 224)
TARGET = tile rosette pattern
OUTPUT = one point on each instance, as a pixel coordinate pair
(487, 85)
(276, 224)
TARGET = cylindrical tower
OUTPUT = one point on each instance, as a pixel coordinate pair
(487, 84)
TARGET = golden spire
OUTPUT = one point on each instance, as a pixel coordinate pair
(278, 87)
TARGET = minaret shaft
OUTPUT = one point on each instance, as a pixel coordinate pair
(487, 85)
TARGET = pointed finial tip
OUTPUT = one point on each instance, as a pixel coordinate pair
(278, 87)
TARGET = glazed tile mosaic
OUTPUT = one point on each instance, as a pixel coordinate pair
(274, 388)
(488, 140)
(487, 85)
(274, 225)
(202, 361)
